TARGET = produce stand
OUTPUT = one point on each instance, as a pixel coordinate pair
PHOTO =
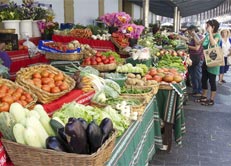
(170, 100)
(139, 143)
(100, 45)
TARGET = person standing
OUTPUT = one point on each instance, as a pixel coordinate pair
(209, 74)
(196, 55)
(226, 49)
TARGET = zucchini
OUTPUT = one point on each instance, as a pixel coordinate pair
(56, 124)
(18, 131)
(46, 125)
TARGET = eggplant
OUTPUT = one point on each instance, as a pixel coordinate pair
(71, 119)
(53, 142)
(106, 127)
(84, 123)
(94, 135)
(63, 139)
(76, 136)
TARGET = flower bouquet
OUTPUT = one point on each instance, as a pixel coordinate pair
(132, 31)
(10, 11)
(115, 20)
(47, 28)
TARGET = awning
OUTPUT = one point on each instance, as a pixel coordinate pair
(186, 7)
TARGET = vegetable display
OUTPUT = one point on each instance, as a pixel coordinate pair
(99, 59)
(89, 113)
(128, 68)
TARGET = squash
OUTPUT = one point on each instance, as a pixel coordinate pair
(18, 112)
(46, 125)
(18, 131)
(35, 124)
(7, 122)
(39, 108)
(56, 124)
(33, 113)
(32, 138)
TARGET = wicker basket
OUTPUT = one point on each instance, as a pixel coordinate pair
(116, 44)
(23, 155)
(105, 67)
(64, 56)
(24, 74)
(15, 85)
(11, 31)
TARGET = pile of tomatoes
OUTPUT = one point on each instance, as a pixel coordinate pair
(99, 59)
(9, 95)
(49, 82)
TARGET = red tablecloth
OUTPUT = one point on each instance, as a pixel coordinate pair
(99, 45)
(21, 59)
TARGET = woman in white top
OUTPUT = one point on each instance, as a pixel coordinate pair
(226, 48)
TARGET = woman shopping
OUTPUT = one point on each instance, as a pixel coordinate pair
(209, 74)
(226, 49)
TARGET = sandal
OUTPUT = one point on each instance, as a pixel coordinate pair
(201, 99)
(208, 103)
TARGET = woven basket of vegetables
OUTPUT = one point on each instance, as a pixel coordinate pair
(105, 67)
(155, 88)
(45, 81)
(64, 56)
(27, 156)
(12, 92)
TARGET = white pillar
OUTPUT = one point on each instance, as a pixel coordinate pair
(175, 19)
(178, 21)
(145, 12)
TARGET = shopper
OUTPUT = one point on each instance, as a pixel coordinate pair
(211, 39)
(226, 49)
(196, 55)
(4, 56)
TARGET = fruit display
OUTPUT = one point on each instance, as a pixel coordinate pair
(48, 81)
(180, 53)
(169, 75)
(137, 80)
(99, 59)
(128, 68)
(117, 57)
(9, 94)
(120, 40)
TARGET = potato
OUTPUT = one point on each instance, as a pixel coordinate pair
(140, 83)
(131, 75)
(138, 76)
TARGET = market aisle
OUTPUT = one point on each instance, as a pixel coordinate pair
(208, 131)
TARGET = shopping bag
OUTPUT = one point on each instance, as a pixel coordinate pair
(229, 60)
(214, 56)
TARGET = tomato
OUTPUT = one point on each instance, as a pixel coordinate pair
(23, 97)
(111, 61)
(19, 90)
(106, 61)
(98, 59)
(100, 63)
(98, 54)
(46, 88)
(2, 94)
(111, 57)
(37, 81)
(51, 75)
(103, 57)
(51, 84)
(24, 103)
(64, 86)
(59, 77)
(88, 63)
(36, 75)
(94, 63)
(10, 91)
(45, 80)
(58, 83)
(148, 77)
(8, 99)
(4, 107)
(44, 73)
(16, 95)
(55, 90)
(153, 72)
(4, 88)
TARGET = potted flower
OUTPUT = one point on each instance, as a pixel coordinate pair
(10, 16)
(47, 29)
(132, 31)
(115, 20)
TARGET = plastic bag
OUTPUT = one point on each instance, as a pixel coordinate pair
(32, 48)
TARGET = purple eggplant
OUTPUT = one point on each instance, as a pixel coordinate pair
(106, 127)
(94, 136)
(84, 123)
(54, 143)
(76, 136)
(63, 138)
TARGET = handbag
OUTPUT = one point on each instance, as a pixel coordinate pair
(229, 60)
(214, 56)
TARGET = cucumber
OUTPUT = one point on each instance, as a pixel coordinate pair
(18, 131)
(56, 124)
(46, 125)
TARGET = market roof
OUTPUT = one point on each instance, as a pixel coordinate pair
(186, 7)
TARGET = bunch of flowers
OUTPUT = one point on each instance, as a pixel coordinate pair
(10, 11)
(132, 31)
(116, 19)
(47, 27)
